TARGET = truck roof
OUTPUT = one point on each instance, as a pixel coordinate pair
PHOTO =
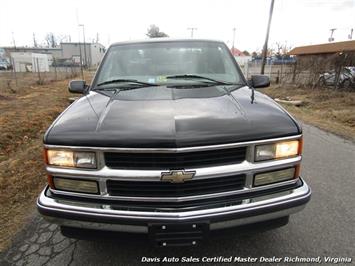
(153, 40)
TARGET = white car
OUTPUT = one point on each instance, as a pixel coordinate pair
(4, 65)
(346, 78)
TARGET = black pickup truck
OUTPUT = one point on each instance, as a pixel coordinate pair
(170, 140)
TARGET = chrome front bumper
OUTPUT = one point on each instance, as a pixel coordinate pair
(94, 215)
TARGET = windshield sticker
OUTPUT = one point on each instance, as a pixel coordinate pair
(161, 79)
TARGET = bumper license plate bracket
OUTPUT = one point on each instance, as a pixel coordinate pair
(181, 234)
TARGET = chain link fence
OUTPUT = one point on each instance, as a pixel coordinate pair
(12, 81)
(335, 71)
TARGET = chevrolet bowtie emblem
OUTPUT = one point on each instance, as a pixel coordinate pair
(177, 176)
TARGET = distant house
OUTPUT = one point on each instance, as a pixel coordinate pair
(326, 54)
(240, 57)
(236, 52)
(324, 49)
(319, 58)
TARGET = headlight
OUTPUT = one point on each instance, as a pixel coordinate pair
(274, 177)
(71, 158)
(277, 150)
(75, 185)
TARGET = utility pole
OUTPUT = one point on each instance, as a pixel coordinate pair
(350, 36)
(81, 59)
(13, 40)
(53, 41)
(34, 41)
(82, 25)
(330, 39)
(233, 38)
(192, 31)
(267, 38)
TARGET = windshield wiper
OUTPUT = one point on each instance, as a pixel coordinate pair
(126, 81)
(116, 90)
(192, 76)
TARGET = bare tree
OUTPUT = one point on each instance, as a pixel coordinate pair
(254, 54)
(245, 52)
(270, 52)
(51, 40)
(281, 50)
(154, 32)
(62, 37)
(285, 49)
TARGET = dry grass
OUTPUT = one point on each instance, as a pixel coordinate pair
(11, 83)
(328, 109)
(25, 116)
(24, 119)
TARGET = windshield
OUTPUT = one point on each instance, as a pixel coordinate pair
(158, 62)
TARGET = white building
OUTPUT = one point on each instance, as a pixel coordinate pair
(40, 63)
(70, 53)
(243, 60)
(30, 62)
(91, 53)
(21, 62)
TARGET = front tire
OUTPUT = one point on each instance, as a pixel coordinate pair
(346, 84)
(322, 82)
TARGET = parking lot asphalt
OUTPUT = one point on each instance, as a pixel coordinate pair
(324, 229)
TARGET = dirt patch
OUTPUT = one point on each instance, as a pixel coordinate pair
(327, 109)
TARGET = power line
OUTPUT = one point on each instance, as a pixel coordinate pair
(331, 35)
(192, 31)
(350, 36)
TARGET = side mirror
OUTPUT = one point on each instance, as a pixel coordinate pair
(77, 86)
(260, 81)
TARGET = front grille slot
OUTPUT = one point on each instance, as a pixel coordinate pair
(193, 205)
(167, 189)
(183, 160)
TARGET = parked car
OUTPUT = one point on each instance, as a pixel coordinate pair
(352, 70)
(346, 78)
(170, 140)
(4, 65)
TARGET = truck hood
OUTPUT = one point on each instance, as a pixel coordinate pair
(170, 118)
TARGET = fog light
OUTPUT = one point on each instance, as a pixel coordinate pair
(274, 177)
(75, 185)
